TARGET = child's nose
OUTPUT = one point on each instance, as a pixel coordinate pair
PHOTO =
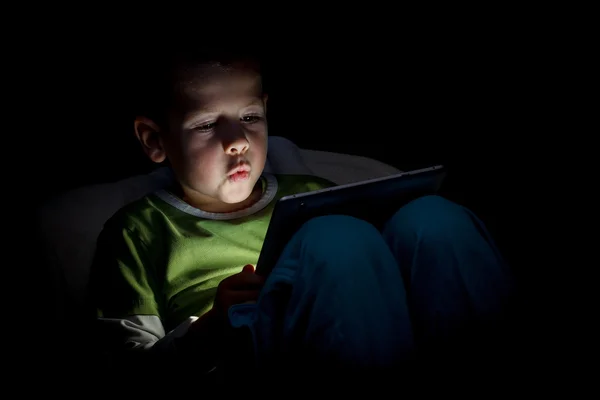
(237, 146)
(234, 138)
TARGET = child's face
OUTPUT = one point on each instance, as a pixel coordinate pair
(217, 139)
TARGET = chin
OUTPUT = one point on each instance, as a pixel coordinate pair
(234, 200)
(238, 197)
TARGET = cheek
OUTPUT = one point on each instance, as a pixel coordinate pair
(202, 158)
(258, 141)
(260, 152)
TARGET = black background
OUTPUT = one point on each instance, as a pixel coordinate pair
(469, 93)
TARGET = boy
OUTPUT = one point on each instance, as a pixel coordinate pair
(160, 260)
(174, 271)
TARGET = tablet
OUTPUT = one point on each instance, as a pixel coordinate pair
(373, 200)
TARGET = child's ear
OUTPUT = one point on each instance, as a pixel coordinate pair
(147, 133)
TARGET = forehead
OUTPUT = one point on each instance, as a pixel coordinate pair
(203, 84)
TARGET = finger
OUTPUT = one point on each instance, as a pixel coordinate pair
(244, 280)
(248, 268)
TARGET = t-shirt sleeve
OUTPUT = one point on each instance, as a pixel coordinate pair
(123, 280)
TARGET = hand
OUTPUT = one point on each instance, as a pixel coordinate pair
(242, 287)
(205, 336)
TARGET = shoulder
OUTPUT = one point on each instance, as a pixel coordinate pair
(142, 218)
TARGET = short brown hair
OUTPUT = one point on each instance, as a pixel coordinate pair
(156, 84)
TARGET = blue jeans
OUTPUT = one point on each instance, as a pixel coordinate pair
(343, 293)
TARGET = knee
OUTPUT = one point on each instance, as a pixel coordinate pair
(340, 239)
(335, 232)
(431, 217)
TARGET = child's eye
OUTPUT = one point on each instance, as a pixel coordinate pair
(249, 119)
(205, 127)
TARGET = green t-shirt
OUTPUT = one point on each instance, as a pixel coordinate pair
(162, 257)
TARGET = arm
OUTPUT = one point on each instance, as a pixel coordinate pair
(205, 338)
(129, 306)
(127, 294)
(202, 341)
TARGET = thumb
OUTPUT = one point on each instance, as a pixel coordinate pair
(248, 268)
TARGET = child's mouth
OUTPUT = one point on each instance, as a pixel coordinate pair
(239, 176)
